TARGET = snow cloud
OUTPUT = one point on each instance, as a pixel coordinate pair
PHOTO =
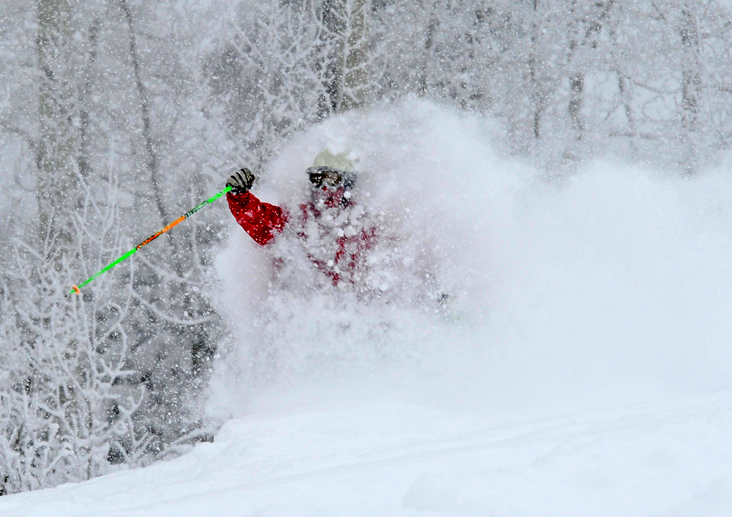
(608, 286)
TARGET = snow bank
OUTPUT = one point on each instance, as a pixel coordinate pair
(611, 286)
(393, 459)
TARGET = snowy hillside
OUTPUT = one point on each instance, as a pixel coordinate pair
(380, 456)
(581, 368)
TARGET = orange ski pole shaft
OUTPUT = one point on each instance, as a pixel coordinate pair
(77, 288)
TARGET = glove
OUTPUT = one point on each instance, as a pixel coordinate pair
(241, 181)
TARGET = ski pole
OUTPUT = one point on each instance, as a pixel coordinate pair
(77, 288)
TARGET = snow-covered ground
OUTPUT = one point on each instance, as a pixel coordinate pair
(583, 367)
(381, 456)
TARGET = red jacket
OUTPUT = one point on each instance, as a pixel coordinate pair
(263, 222)
(260, 220)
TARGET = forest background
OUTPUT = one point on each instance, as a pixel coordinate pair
(117, 116)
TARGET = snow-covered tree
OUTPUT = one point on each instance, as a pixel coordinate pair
(68, 394)
(87, 107)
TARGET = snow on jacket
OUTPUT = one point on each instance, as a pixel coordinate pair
(334, 237)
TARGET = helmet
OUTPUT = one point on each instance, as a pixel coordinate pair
(332, 171)
(336, 161)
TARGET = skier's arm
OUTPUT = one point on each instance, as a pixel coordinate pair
(260, 220)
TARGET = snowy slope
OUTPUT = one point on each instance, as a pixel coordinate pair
(583, 367)
(381, 457)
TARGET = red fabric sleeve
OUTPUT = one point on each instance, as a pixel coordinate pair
(260, 220)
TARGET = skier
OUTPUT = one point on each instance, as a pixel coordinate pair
(331, 229)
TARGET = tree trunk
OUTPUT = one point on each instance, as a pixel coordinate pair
(428, 44)
(537, 96)
(56, 193)
(333, 16)
(576, 100)
(356, 88)
(624, 90)
(152, 159)
(84, 159)
(347, 72)
(577, 76)
(690, 85)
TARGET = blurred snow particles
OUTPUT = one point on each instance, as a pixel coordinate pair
(580, 368)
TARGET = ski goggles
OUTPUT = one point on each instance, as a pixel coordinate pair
(325, 177)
